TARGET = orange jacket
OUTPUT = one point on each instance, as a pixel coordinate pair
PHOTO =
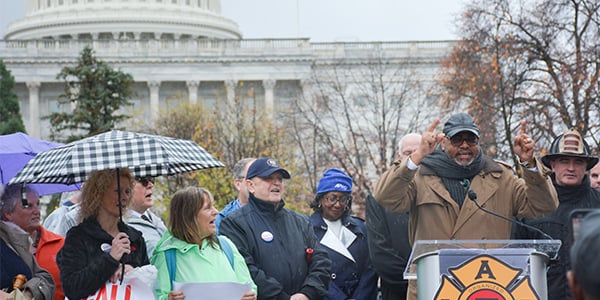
(49, 245)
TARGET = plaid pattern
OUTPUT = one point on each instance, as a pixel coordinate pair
(143, 154)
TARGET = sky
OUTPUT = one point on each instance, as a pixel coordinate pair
(325, 20)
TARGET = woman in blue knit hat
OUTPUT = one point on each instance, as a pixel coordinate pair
(344, 237)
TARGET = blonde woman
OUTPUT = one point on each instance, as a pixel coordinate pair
(101, 246)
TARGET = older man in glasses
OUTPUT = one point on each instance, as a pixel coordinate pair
(140, 217)
(439, 183)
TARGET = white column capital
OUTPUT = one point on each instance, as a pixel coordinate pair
(269, 83)
(153, 84)
(192, 83)
(31, 85)
(231, 83)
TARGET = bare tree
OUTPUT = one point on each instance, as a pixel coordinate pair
(533, 60)
(355, 116)
(231, 131)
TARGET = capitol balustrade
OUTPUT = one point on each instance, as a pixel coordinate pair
(69, 48)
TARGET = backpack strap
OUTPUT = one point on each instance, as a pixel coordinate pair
(227, 250)
(171, 264)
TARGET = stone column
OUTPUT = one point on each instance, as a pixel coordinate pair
(192, 86)
(34, 108)
(230, 87)
(269, 86)
(305, 85)
(154, 104)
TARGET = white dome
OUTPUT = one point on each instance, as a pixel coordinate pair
(123, 19)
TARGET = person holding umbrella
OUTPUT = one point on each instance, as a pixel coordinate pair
(101, 247)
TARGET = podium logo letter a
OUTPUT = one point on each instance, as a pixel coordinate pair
(484, 268)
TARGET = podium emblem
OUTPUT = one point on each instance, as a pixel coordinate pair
(484, 277)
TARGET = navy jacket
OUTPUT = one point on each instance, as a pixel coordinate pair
(84, 267)
(274, 241)
(349, 279)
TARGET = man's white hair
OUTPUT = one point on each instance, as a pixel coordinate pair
(408, 135)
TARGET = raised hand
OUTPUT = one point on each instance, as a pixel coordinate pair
(429, 142)
(524, 146)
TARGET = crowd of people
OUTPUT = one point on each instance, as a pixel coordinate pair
(277, 253)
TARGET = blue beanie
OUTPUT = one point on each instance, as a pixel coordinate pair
(335, 180)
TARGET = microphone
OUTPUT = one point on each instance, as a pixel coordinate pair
(473, 196)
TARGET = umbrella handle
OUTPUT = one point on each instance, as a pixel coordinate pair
(24, 201)
(120, 219)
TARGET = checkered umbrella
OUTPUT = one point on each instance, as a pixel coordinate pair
(143, 154)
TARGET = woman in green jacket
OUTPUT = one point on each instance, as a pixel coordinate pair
(192, 246)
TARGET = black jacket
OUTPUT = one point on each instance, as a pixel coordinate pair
(389, 247)
(273, 241)
(558, 226)
(84, 267)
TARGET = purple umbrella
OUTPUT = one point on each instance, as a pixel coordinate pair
(16, 150)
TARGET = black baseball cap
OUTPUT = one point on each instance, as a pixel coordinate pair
(458, 123)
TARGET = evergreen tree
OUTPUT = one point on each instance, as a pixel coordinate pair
(96, 92)
(10, 113)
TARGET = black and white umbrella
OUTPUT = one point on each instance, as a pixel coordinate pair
(143, 154)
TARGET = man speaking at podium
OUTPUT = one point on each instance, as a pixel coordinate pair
(434, 183)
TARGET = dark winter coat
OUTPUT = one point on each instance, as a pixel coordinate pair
(84, 267)
(349, 279)
(274, 241)
(388, 247)
(558, 226)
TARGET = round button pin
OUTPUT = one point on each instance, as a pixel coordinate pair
(266, 236)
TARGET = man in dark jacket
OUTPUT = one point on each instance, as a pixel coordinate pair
(569, 158)
(388, 235)
(279, 245)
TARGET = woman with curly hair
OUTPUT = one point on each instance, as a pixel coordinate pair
(199, 255)
(101, 246)
(345, 238)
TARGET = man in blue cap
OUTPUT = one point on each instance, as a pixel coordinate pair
(279, 245)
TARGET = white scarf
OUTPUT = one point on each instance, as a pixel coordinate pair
(338, 238)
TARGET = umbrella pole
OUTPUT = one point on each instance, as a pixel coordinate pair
(119, 195)
(120, 218)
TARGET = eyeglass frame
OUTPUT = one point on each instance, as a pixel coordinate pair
(470, 138)
(345, 200)
(145, 180)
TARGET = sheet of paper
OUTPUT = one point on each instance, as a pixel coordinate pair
(213, 290)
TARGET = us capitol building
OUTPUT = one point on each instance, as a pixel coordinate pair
(177, 50)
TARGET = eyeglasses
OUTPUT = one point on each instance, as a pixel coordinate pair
(145, 180)
(458, 140)
(344, 200)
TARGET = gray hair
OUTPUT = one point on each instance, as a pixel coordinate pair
(12, 193)
(240, 167)
(69, 196)
(408, 135)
